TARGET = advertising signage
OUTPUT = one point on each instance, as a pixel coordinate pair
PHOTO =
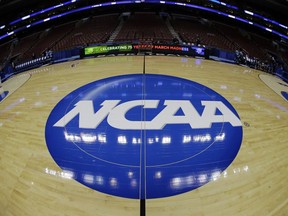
(95, 50)
(138, 48)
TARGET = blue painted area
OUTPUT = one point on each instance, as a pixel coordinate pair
(285, 95)
(147, 160)
(3, 95)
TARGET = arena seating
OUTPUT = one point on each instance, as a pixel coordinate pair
(144, 27)
(192, 31)
(138, 27)
(241, 41)
(284, 56)
(48, 38)
(264, 43)
(23, 45)
(4, 52)
(90, 31)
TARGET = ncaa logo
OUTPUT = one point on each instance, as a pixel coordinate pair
(143, 136)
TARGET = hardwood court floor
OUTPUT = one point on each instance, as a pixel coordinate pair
(32, 183)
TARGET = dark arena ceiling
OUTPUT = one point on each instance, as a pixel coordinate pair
(11, 10)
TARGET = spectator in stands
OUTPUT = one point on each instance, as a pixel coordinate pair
(48, 53)
(198, 41)
(175, 41)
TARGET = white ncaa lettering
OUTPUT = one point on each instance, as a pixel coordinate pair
(87, 117)
(209, 117)
(117, 114)
(117, 117)
(167, 115)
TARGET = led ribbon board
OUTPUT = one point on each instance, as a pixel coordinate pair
(107, 49)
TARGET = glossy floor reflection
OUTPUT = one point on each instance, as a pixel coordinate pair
(253, 184)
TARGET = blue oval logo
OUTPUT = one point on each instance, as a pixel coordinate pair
(3, 95)
(143, 136)
(285, 95)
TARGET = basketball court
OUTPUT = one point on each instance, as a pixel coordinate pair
(144, 172)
